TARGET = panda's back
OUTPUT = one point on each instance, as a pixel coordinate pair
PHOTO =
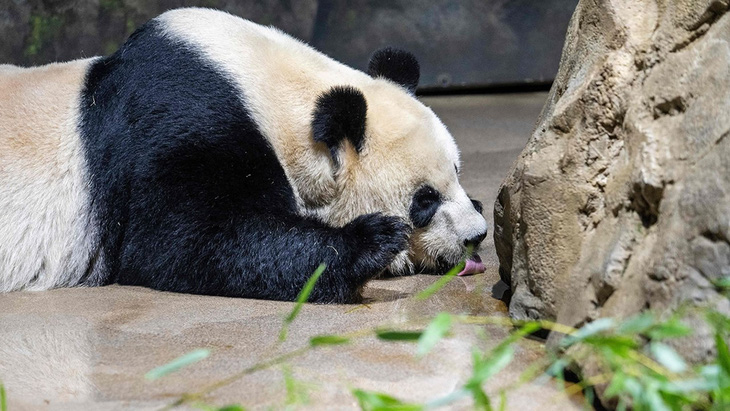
(43, 203)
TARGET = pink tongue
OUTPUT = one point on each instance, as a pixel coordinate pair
(473, 265)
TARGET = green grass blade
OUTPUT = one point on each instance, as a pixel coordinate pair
(588, 330)
(502, 401)
(441, 283)
(178, 363)
(672, 328)
(723, 354)
(667, 357)
(392, 335)
(638, 324)
(438, 328)
(491, 365)
(373, 401)
(481, 399)
(328, 340)
(301, 299)
(3, 398)
(233, 407)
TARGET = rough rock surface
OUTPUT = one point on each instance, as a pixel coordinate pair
(621, 199)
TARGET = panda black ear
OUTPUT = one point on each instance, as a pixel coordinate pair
(340, 114)
(396, 65)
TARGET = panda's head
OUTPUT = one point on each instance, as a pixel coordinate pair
(390, 153)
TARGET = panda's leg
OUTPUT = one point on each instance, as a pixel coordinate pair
(289, 252)
(268, 256)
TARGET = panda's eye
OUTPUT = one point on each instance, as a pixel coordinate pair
(424, 205)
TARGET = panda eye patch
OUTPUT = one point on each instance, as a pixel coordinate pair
(424, 205)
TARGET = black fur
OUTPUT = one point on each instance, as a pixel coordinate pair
(190, 197)
(397, 65)
(477, 206)
(340, 114)
(475, 241)
(424, 205)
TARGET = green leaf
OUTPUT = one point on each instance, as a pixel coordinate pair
(589, 395)
(481, 399)
(723, 355)
(372, 401)
(616, 386)
(328, 340)
(502, 401)
(447, 399)
(435, 331)
(654, 401)
(637, 324)
(633, 387)
(296, 392)
(445, 279)
(232, 407)
(3, 398)
(180, 362)
(719, 321)
(672, 328)
(723, 283)
(557, 368)
(391, 335)
(619, 344)
(485, 368)
(301, 299)
(667, 357)
(688, 386)
(590, 329)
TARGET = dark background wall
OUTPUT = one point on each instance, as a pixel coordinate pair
(467, 43)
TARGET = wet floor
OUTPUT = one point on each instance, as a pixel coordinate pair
(90, 348)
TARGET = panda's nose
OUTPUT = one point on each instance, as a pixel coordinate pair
(476, 240)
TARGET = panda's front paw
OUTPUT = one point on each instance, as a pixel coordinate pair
(377, 239)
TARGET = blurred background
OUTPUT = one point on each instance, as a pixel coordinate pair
(462, 44)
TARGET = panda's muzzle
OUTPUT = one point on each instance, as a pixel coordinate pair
(474, 242)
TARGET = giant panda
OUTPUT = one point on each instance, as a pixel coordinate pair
(211, 155)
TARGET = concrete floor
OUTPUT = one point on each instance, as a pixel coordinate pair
(89, 348)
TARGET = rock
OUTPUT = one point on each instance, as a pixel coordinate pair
(621, 199)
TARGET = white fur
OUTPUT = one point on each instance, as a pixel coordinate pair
(45, 221)
(46, 225)
(406, 145)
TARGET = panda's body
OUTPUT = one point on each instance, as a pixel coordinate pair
(211, 155)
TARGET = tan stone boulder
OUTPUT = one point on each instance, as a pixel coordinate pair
(621, 199)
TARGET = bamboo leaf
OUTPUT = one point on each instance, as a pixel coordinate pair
(391, 335)
(301, 299)
(590, 329)
(672, 328)
(637, 324)
(328, 340)
(372, 401)
(485, 368)
(3, 398)
(502, 401)
(723, 354)
(435, 331)
(438, 285)
(481, 399)
(667, 357)
(178, 363)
